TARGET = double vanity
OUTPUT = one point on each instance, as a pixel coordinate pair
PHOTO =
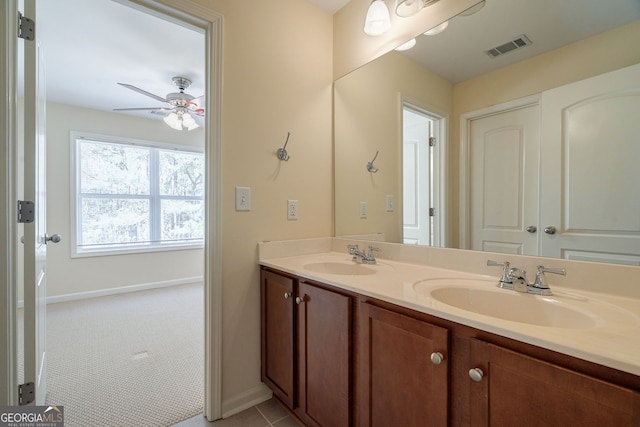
(430, 336)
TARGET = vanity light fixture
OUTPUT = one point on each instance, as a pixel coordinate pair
(378, 20)
(407, 8)
(406, 45)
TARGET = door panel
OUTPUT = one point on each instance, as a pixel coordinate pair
(589, 127)
(35, 248)
(504, 181)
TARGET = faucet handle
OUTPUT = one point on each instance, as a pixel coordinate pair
(541, 280)
(372, 249)
(505, 269)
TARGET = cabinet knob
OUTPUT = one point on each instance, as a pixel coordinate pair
(287, 295)
(476, 374)
(437, 358)
(299, 300)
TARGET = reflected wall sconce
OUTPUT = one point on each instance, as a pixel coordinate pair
(378, 20)
(282, 152)
(370, 167)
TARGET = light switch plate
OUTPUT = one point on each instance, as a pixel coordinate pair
(389, 203)
(243, 199)
(363, 209)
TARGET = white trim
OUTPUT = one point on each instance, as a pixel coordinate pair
(212, 22)
(119, 290)
(8, 227)
(465, 128)
(245, 400)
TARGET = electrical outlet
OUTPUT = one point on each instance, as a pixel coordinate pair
(243, 199)
(363, 209)
(292, 209)
(389, 203)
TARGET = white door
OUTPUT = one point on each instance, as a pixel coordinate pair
(503, 182)
(35, 237)
(416, 183)
(589, 127)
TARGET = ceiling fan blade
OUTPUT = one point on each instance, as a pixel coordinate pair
(143, 109)
(144, 92)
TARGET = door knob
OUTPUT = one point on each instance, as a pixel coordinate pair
(55, 238)
(532, 229)
(550, 229)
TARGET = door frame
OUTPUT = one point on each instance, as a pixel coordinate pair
(212, 23)
(439, 156)
(465, 153)
(8, 225)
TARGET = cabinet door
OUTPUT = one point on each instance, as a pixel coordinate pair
(324, 372)
(517, 390)
(277, 304)
(399, 385)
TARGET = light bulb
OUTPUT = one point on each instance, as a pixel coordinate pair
(406, 8)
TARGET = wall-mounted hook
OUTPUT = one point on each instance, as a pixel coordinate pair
(370, 167)
(282, 152)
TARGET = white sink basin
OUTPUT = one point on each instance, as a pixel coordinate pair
(341, 268)
(473, 295)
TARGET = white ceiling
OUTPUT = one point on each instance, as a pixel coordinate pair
(91, 45)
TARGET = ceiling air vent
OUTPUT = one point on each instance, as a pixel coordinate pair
(517, 43)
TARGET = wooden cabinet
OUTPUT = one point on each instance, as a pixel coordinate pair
(520, 390)
(306, 348)
(340, 359)
(398, 382)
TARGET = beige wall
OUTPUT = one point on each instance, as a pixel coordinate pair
(277, 79)
(367, 117)
(66, 275)
(596, 55)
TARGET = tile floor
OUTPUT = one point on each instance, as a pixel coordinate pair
(266, 414)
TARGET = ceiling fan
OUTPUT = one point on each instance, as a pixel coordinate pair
(181, 105)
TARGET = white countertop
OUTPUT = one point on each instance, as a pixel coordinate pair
(612, 339)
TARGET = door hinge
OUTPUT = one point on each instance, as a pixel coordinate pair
(26, 393)
(26, 27)
(26, 211)
(432, 211)
(432, 141)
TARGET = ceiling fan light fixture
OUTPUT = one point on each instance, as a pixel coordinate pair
(377, 21)
(189, 122)
(173, 121)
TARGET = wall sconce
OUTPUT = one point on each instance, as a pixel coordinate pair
(378, 20)
(406, 8)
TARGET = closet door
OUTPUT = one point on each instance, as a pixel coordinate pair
(503, 196)
(590, 163)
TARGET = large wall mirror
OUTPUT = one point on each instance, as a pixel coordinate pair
(403, 160)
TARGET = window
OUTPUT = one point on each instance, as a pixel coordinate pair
(134, 196)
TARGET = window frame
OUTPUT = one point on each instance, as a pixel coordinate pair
(75, 138)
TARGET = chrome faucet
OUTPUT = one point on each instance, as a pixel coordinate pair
(360, 256)
(516, 279)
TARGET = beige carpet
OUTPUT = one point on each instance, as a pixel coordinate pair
(134, 359)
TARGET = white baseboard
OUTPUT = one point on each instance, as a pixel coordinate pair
(245, 400)
(119, 290)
